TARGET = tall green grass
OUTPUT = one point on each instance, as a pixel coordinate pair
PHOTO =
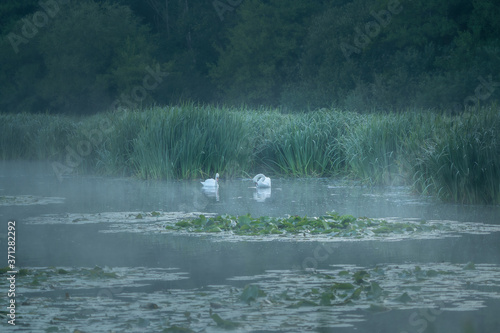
(34, 136)
(190, 141)
(463, 163)
(114, 153)
(454, 157)
(382, 148)
(305, 144)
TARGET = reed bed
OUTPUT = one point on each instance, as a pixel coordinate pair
(382, 148)
(303, 145)
(34, 136)
(190, 141)
(463, 164)
(456, 158)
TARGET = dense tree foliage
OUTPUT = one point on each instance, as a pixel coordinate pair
(88, 56)
(264, 49)
(74, 57)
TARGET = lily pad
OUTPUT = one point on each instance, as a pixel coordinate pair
(177, 329)
(251, 293)
(360, 275)
(470, 266)
(222, 323)
(375, 291)
(326, 298)
(301, 303)
(356, 294)
(339, 285)
(378, 308)
(404, 298)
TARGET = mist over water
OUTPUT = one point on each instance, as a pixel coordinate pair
(206, 262)
(301, 196)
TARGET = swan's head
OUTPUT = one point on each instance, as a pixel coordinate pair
(256, 178)
(217, 177)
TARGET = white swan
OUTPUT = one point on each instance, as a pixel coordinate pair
(262, 181)
(211, 182)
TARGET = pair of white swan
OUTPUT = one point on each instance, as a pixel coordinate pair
(260, 181)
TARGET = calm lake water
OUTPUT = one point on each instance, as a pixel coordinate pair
(205, 269)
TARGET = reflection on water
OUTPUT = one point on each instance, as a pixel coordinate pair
(261, 194)
(311, 197)
(210, 192)
(209, 263)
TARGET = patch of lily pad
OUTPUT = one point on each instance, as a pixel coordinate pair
(52, 278)
(112, 222)
(277, 300)
(329, 226)
(28, 200)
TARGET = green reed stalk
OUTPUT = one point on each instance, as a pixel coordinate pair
(190, 141)
(303, 144)
(381, 148)
(34, 136)
(463, 164)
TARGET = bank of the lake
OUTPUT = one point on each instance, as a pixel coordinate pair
(455, 157)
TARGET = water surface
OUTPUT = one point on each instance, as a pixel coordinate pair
(180, 267)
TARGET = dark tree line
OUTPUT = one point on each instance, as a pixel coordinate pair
(88, 56)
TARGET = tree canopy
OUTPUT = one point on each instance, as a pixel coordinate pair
(84, 56)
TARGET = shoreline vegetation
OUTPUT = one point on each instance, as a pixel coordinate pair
(453, 157)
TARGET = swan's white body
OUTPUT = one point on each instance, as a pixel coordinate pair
(262, 181)
(211, 182)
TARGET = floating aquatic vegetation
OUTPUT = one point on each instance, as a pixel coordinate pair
(277, 300)
(251, 293)
(27, 200)
(142, 222)
(177, 329)
(51, 278)
(225, 324)
(330, 226)
(113, 217)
